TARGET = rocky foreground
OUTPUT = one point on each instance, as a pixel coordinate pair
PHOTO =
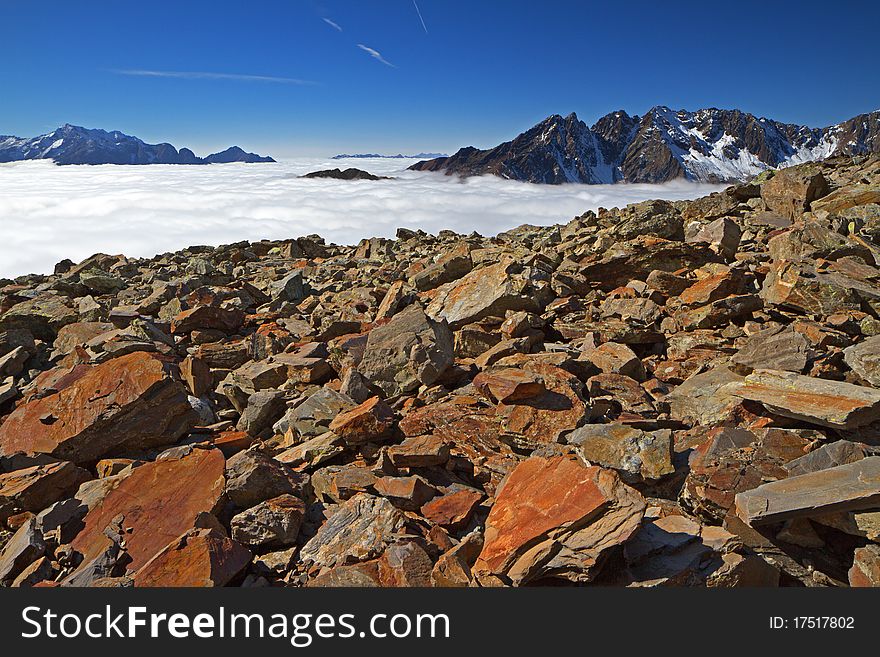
(668, 394)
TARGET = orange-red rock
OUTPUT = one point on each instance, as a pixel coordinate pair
(454, 510)
(556, 518)
(207, 317)
(35, 488)
(200, 557)
(365, 422)
(508, 385)
(127, 403)
(158, 502)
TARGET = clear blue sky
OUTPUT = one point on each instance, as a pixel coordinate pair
(478, 72)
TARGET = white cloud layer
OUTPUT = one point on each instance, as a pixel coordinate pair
(49, 212)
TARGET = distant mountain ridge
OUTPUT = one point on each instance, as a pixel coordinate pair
(72, 144)
(344, 156)
(709, 145)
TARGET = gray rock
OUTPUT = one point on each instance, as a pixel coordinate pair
(263, 409)
(409, 351)
(273, 523)
(850, 487)
(775, 348)
(864, 359)
(25, 547)
(359, 529)
(253, 477)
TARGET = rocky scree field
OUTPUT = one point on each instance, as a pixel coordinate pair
(668, 394)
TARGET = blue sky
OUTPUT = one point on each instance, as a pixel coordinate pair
(476, 72)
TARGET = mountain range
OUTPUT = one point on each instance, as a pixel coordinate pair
(345, 156)
(72, 144)
(708, 145)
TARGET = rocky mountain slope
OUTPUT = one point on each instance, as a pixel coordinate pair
(72, 144)
(709, 145)
(678, 394)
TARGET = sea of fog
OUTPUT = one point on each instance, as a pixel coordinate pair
(50, 212)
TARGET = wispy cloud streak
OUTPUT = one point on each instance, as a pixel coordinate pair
(205, 75)
(375, 54)
(419, 12)
(335, 26)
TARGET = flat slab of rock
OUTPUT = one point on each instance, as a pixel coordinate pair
(200, 557)
(778, 349)
(556, 518)
(491, 290)
(158, 502)
(850, 487)
(817, 401)
(35, 488)
(129, 403)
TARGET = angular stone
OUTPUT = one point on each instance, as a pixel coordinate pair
(25, 547)
(635, 454)
(547, 416)
(409, 351)
(227, 320)
(452, 265)
(312, 452)
(488, 291)
(252, 477)
(43, 316)
(337, 483)
(263, 409)
(864, 359)
(274, 523)
(454, 510)
(850, 487)
(453, 567)
(613, 358)
(370, 421)
(419, 452)
(313, 416)
(157, 502)
(557, 518)
(774, 348)
(196, 373)
(790, 192)
(408, 493)
(305, 369)
(732, 460)
(358, 530)
(723, 234)
(35, 488)
(508, 385)
(799, 287)
(639, 257)
(41, 570)
(676, 551)
(199, 558)
(704, 398)
(817, 401)
(129, 403)
(405, 564)
(840, 452)
(865, 571)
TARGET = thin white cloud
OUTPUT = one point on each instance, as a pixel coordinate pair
(419, 12)
(51, 212)
(335, 26)
(204, 75)
(375, 54)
